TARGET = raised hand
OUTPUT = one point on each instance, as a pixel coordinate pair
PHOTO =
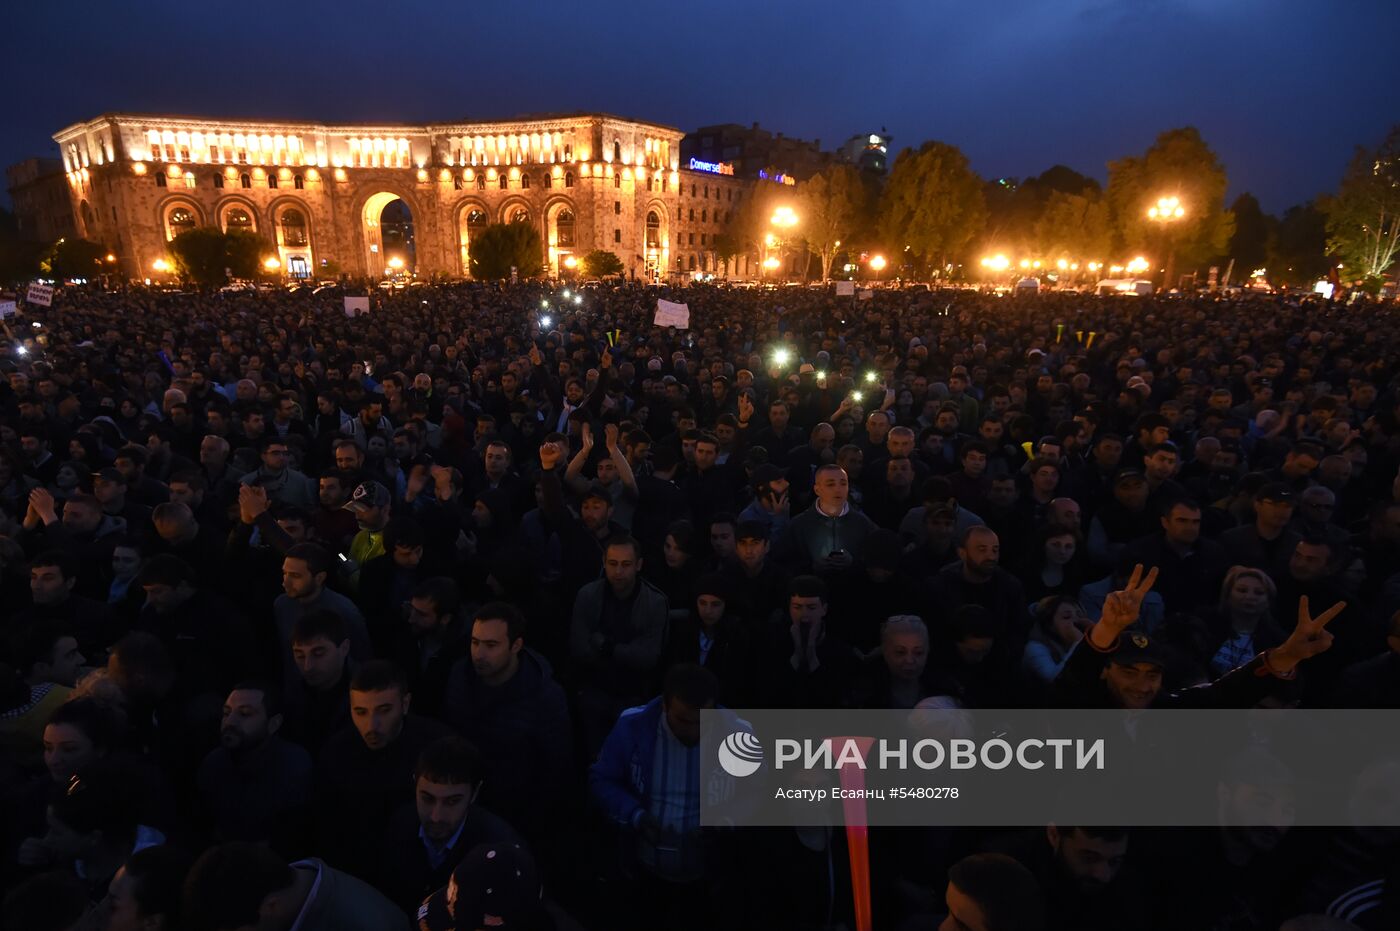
(42, 502)
(610, 434)
(536, 358)
(587, 436)
(1121, 608)
(252, 503)
(745, 408)
(549, 456)
(606, 361)
(1308, 639)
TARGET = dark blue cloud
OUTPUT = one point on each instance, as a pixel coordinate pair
(1282, 89)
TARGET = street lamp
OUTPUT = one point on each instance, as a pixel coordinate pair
(161, 265)
(1166, 211)
(877, 262)
(271, 264)
(785, 219)
(571, 262)
(396, 263)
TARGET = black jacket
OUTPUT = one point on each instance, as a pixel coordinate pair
(406, 876)
(359, 788)
(523, 731)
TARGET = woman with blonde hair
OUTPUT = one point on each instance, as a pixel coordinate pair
(1242, 624)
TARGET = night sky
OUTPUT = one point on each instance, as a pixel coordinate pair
(1281, 89)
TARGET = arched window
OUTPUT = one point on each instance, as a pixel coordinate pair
(503, 184)
(617, 151)
(180, 220)
(481, 182)
(519, 215)
(548, 180)
(245, 180)
(456, 183)
(293, 227)
(218, 181)
(237, 218)
(476, 223)
(617, 179)
(298, 182)
(692, 263)
(564, 227)
(160, 179)
(272, 181)
(653, 230)
(525, 182)
(568, 153)
(568, 179)
(704, 216)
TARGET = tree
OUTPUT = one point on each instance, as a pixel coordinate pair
(73, 258)
(1254, 231)
(1074, 227)
(208, 257)
(1179, 164)
(829, 206)
(601, 263)
(1298, 253)
(243, 253)
(727, 248)
(933, 205)
(1363, 217)
(502, 246)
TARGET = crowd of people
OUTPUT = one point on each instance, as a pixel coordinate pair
(407, 618)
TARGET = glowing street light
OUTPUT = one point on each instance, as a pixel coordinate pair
(878, 263)
(1166, 209)
(571, 262)
(396, 263)
(784, 217)
(161, 265)
(770, 262)
(111, 257)
(1062, 265)
(997, 263)
(271, 264)
(1138, 266)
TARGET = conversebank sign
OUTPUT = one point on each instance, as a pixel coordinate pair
(714, 168)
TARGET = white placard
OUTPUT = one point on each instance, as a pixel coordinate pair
(866, 295)
(672, 314)
(356, 305)
(40, 294)
(845, 288)
(7, 309)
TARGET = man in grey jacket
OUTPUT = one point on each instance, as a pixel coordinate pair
(615, 639)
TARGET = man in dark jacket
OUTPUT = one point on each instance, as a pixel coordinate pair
(432, 637)
(426, 840)
(978, 579)
(318, 704)
(1190, 568)
(366, 770)
(712, 637)
(1268, 542)
(504, 699)
(256, 785)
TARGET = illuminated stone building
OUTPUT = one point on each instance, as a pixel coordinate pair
(367, 200)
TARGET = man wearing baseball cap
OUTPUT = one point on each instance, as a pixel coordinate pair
(1268, 543)
(371, 505)
(495, 886)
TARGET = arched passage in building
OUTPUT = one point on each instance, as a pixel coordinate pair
(472, 221)
(389, 240)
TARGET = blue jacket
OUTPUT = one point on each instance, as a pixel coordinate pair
(620, 780)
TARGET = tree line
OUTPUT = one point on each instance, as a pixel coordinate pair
(934, 217)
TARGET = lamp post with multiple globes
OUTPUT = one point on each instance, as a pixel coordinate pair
(1166, 212)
